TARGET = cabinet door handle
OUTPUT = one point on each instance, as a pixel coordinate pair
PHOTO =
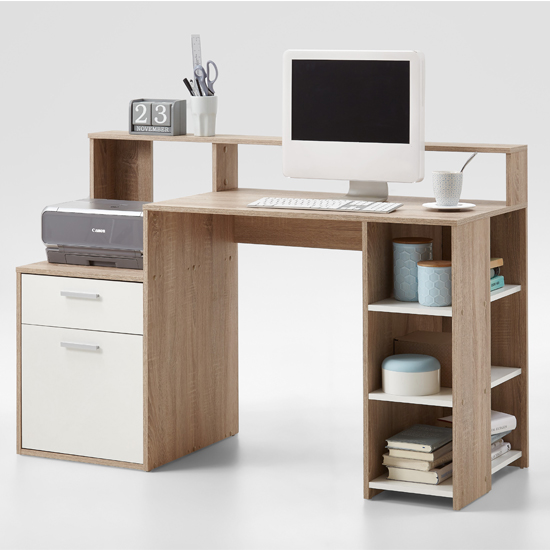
(83, 347)
(84, 295)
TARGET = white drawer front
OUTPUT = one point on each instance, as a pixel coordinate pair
(86, 402)
(112, 306)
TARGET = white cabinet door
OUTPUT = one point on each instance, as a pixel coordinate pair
(111, 306)
(82, 393)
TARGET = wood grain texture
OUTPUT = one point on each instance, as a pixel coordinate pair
(218, 138)
(18, 348)
(471, 363)
(306, 233)
(83, 272)
(516, 178)
(86, 459)
(509, 330)
(121, 170)
(225, 166)
(191, 333)
(235, 201)
(277, 141)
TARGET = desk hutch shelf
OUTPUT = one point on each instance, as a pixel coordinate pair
(190, 306)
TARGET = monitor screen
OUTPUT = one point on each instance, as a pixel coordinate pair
(360, 101)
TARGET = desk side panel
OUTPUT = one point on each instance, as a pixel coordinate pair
(191, 333)
(471, 363)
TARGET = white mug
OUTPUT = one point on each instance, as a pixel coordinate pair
(204, 110)
(447, 188)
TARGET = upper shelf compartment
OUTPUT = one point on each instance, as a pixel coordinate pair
(391, 305)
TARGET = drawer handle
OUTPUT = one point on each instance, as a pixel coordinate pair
(83, 347)
(84, 295)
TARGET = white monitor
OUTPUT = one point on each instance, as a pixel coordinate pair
(354, 115)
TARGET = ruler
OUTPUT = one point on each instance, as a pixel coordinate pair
(196, 49)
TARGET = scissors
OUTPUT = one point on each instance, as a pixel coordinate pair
(205, 80)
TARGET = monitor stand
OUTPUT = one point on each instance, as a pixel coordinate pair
(368, 190)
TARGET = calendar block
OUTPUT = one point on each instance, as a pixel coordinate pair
(161, 114)
(141, 113)
(158, 117)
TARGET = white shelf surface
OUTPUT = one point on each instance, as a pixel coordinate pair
(502, 461)
(444, 398)
(444, 489)
(391, 305)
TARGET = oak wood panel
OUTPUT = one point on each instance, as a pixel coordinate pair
(83, 272)
(471, 363)
(121, 170)
(295, 232)
(218, 138)
(18, 362)
(277, 141)
(516, 177)
(225, 169)
(191, 336)
(509, 330)
(86, 459)
(235, 201)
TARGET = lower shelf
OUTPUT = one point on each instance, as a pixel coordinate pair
(444, 489)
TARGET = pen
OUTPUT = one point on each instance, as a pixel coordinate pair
(186, 82)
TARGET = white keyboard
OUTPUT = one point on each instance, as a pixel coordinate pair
(340, 205)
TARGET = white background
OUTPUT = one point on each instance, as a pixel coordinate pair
(292, 478)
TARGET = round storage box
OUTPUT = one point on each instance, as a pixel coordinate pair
(434, 283)
(407, 252)
(410, 374)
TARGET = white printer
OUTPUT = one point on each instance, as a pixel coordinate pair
(97, 232)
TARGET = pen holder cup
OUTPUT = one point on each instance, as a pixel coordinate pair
(203, 111)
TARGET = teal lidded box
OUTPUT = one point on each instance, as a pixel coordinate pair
(435, 283)
(410, 374)
(407, 252)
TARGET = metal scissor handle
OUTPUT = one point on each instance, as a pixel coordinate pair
(204, 78)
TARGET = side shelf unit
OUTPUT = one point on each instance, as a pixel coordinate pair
(190, 389)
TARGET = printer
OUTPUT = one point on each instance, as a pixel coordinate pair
(98, 232)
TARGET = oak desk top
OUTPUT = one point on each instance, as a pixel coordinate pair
(233, 203)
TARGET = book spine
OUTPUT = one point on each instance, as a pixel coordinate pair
(447, 475)
(497, 282)
(494, 272)
(501, 450)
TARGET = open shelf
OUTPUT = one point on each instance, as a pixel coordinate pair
(502, 461)
(444, 398)
(391, 305)
(444, 489)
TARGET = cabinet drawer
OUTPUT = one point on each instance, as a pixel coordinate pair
(112, 306)
(82, 392)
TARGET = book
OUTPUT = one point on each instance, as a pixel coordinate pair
(496, 262)
(419, 455)
(496, 437)
(497, 282)
(500, 422)
(500, 450)
(433, 477)
(422, 465)
(494, 272)
(421, 437)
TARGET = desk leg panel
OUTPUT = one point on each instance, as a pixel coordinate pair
(471, 375)
(191, 358)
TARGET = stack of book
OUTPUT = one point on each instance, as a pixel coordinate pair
(501, 425)
(421, 454)
(497, 280)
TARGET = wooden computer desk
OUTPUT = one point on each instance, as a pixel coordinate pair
(190, 306)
